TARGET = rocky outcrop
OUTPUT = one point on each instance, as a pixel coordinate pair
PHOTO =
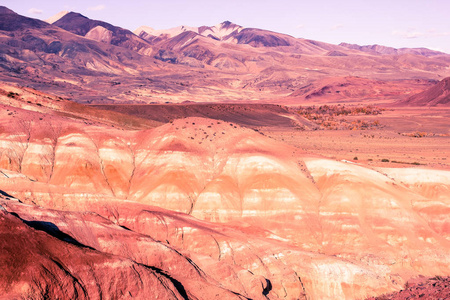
(100, 34)
(38, 265)
(421, 288)
(96, 234)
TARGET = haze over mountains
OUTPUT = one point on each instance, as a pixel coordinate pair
(225, 192)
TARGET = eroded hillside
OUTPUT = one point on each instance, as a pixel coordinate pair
(204, 207)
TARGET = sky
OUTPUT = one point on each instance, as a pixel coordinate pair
(394, 23)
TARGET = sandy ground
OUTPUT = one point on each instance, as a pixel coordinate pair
(395, 141)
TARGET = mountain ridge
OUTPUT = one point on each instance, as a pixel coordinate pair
(247, 64)
(215, 30)
(83, 26)
(386, 50)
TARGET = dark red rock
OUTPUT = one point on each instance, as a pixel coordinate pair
(436, 288)
(36, 265)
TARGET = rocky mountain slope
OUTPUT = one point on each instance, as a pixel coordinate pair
(91, 61)
(102, 32)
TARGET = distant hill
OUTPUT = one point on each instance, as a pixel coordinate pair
(10, 21)
(438, 95)
(383, 50)
(102, 32)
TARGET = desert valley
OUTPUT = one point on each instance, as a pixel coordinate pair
(219, 162)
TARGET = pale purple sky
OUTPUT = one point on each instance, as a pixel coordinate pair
(395, 23)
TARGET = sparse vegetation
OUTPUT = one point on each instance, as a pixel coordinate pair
(420, 134)
(326, 116)
(12, 95)
(438, 277)
(406, 163)
(385, 160)
(20, 141)
(53, 132)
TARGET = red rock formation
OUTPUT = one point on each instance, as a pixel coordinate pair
(281, 217)
(93, 232)
(37, 265)
(221, 209)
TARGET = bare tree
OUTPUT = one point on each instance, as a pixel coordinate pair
(102, 164)
(20, 141)
(133, 156)
(54, 131)
(3, 150)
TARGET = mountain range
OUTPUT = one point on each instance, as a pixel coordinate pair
(91, 61)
